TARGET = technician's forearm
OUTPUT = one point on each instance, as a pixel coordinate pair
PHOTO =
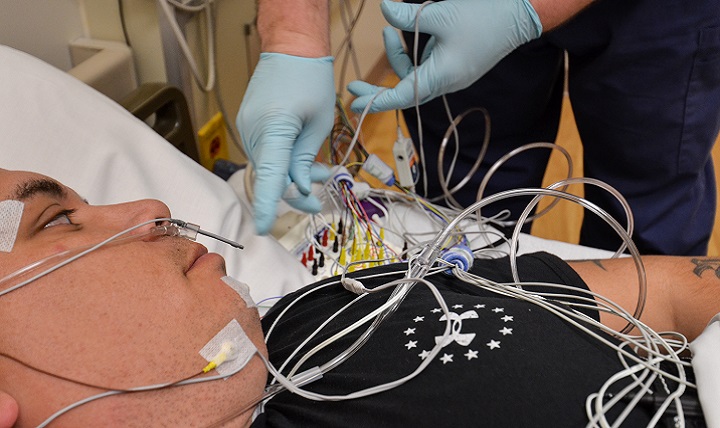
(295, 27)
(554, 12)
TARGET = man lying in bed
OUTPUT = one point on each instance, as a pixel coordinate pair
(138, 314)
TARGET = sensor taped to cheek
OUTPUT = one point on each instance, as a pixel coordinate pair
(10, 216)
(233, 341)
(240, 288)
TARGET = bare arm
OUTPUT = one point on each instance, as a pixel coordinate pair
(683, 293)
(295, 27)
(554, 12)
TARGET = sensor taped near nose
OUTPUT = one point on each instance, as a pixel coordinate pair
(10, 216)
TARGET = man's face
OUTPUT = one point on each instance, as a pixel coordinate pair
(124, 316)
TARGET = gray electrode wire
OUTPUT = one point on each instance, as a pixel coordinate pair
(345, 12)
(349, 31)
(314, 289)
(411, 200)
(515, 152)
(354, 140)
(213, 75)
(393, 301)
(432, 251)
(292, 383)
(456, 139)
(681, 347)
(343, 356)
(445, 182)
(182, 41)
(69, 256)
(595, 301)
(626, 233)
(421, 146)
(570, 315)
(416, 272)
(145, 388)
(577, 319)
(642, 279)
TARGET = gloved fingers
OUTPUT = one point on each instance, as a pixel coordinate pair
(403, 16)
(306, 148)
(399, 60)
(429, 46)
(400, 97)
(271, 160)
(364, 93)
(306, 203)
(266, 208)
(319, 173)
(268, 188)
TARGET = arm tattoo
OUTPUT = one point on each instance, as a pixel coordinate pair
(701, 265)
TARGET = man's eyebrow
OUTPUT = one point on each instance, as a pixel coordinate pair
(31, 188)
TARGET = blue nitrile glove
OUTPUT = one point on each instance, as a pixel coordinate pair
(286, 114)
(468, 37)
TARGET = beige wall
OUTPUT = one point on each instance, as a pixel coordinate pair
(41, 28)
(102, 20)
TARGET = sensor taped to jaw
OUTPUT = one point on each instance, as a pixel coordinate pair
(10, 216)
(229, 351)
(240, 288)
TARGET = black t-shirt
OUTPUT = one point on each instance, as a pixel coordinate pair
(509, 363)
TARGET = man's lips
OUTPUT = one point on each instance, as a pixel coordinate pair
(197, 253)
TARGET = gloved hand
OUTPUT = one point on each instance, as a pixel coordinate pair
(468, 37)
(286, 114)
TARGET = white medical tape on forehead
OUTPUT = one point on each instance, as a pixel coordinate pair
(240, 288)
(10, 216)
(242, 348)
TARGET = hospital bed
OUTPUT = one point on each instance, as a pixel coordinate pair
(56, 125)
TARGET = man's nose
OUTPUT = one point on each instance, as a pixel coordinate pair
(127, 215)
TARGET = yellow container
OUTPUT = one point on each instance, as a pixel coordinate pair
(212, 139)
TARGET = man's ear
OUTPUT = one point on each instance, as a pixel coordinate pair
(8, 410)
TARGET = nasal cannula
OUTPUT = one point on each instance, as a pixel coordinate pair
(173, 227)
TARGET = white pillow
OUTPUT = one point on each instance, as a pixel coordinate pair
(56, 125)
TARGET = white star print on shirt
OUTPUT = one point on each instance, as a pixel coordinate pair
(507, 318)
(409, 331)
(419, 319)
(505, 331)
(447, 358)
(493, 344)
(471, 354)
(411, 344)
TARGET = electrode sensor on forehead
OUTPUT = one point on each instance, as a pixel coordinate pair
(10, 216)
